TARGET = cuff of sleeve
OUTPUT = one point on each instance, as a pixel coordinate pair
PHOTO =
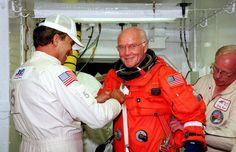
(194, 133)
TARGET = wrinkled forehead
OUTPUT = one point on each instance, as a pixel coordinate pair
(229, 57)
(128, 37)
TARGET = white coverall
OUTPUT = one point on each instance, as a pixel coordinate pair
(220, 115)
(48, 104)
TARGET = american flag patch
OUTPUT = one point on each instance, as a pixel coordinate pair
(67, 77)
(175, 80)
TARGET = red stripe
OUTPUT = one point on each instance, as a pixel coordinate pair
(69, 81)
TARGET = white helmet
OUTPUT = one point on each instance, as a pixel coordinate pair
(63, 24)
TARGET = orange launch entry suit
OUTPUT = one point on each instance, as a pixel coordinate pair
(153, 98)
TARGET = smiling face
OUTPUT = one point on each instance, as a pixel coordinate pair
(132, 46)
(64, 48)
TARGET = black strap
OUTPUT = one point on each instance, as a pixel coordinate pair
(102, 147)
(187, 134)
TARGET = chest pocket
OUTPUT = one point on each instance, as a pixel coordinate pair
(220, 111)
(146, 100)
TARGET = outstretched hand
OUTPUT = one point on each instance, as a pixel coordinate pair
(118, 95)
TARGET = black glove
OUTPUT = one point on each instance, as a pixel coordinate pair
(193, 146)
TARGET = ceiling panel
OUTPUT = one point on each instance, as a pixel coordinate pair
(123, 8)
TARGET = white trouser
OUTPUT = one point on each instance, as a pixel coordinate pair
(58, 144)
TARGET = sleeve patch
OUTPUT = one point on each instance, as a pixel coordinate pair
(67, 77)
(19, 73)
(22, 73)
(175, 80)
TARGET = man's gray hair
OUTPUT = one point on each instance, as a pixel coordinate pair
(227, 49)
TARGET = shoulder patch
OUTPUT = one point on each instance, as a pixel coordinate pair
(175, 80)
(67, 77)
(22, 73)
(19, 73)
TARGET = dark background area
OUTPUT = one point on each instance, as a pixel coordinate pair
(94, 68)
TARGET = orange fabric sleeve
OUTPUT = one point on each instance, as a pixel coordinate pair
(186, 107)
(111, 81)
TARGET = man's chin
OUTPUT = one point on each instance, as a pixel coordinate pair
(220, 83)
(129, 65)
(63, 61)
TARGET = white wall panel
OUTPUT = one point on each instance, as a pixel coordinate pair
(4, 77)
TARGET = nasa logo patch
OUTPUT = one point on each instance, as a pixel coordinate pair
(19, 74)
(216, 117)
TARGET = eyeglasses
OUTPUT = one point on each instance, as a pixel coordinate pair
(221, 72)
(129, 46)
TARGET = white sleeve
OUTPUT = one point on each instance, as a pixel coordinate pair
(81, 104)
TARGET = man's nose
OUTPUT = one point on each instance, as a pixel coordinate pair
(127, 49)
(218, 74)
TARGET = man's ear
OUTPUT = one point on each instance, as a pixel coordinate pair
(146, 46)
(55, 40)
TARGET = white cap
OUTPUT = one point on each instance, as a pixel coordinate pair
(63, 24)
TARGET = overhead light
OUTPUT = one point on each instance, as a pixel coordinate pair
(110, 12)
(123, 20)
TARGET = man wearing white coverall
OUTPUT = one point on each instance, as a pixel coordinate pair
(219, 93)
(48, 102)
